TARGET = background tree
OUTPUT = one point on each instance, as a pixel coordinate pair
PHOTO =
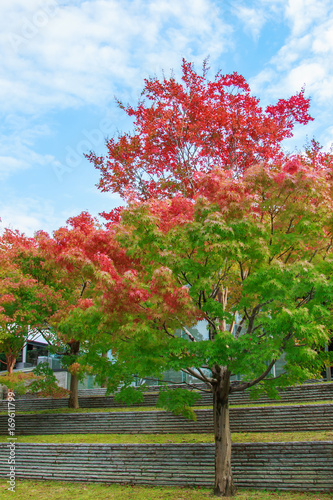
(25, 301)
(65, 256)
(67, 273)
(44, 271)
(89, 264)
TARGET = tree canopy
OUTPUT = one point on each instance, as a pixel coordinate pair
(195, 126)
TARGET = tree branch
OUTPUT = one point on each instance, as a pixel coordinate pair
(239, 327)
(188, 333)
(246, 385)
(203, 378)
(167, 331)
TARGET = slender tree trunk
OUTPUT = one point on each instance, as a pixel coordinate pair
(73, 401)
(11, 360)
(224, 485)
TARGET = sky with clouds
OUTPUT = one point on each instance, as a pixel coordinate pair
(64, 61)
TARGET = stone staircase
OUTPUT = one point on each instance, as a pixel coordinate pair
(301, 466)
(94, 398)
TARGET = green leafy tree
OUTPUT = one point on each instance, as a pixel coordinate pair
(229, 230)
(252, 256)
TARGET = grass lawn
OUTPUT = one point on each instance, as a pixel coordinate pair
(154, 408)
(47, 490)
(247, 437)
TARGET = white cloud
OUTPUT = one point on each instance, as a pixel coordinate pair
(305, 58)
(289, 54)
(10, 165)
(29, 215)
(58, 55)
(301, 14)
(80, 53)
(327, 139)
(309, 73)
(253, 19)
(17, 138)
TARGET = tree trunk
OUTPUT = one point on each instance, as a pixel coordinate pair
(224, 485)
(11, 360)
(73, 401)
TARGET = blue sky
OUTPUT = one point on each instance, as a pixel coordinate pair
(63, 61)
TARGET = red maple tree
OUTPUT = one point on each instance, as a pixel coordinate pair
(196, 126)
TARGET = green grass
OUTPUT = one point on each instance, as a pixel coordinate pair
(48, 490)
(154, 408)
(279, 403)
(247, 437)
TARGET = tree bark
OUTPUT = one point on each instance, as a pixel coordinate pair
(224, 485)
(11, 360)
(73, 401)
